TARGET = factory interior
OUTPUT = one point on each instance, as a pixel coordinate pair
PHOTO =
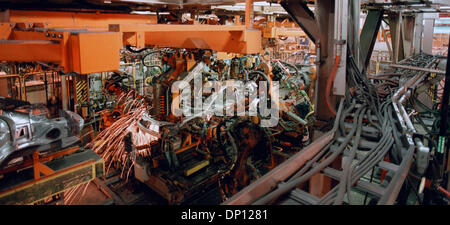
(224, 102)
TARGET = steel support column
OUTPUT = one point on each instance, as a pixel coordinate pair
(408, 35)
(395, 21)
(353, 29)
(369, 36)
(427, 45)
(418, 30)
(342, 22)
(325, 17)
(304, 17)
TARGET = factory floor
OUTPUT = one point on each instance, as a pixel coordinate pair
(112, 190)
(115, 191)
(92, 196)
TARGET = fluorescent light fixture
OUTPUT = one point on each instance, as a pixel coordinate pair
(148, 13)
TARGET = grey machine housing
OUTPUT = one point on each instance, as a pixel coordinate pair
(28, 128)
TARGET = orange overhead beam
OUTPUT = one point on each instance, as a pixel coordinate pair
(96, 47)
(174, 27)
(222, 41)
(74, 19)
(223, 38)
(81, 52)
(26, 51)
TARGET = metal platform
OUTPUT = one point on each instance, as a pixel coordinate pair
(21, 187)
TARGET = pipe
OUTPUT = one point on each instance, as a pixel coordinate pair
(286, 187)
(297, 118)
(330, 82)
(400, 96)
(417, 68)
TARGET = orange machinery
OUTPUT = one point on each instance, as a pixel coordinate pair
(276, 34)
(90, 42)
(286, 28)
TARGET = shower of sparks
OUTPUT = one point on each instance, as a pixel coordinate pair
(110, 146)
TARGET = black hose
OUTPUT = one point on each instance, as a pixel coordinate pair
(351, 156)
(135, 51)
(305, 77)
(292, 184)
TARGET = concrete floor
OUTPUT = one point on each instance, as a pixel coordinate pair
(92, 196)
(114, 191)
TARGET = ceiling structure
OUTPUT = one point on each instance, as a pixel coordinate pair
(264, 7)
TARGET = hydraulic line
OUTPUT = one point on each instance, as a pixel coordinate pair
(368, 110)
(305, 77)
(351, 156)
(135, 51)
(290, 185)
(342, 119)
(311, 162)
(375, 155)
(317, 156)
(367, 163)
(369, 118)
(397, 136)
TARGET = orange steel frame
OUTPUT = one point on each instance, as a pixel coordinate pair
(285, 28)
(37, 162)
(90, 42)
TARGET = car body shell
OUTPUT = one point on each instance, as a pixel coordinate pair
(29, 128)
